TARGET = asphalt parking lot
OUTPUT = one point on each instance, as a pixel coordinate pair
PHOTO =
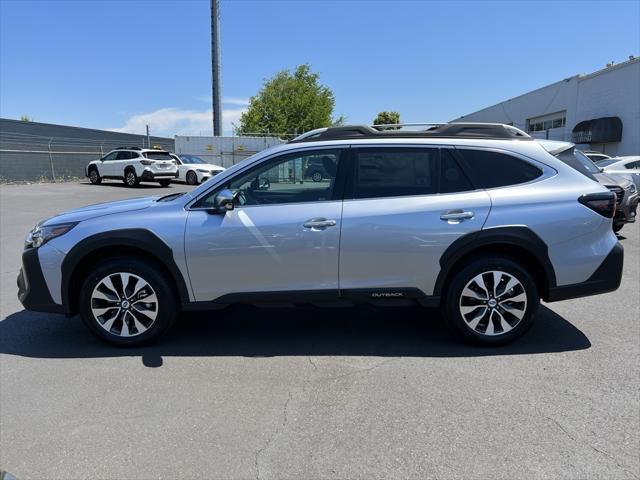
(314, 393)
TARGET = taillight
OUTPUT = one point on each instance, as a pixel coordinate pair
(146, 162)
(603, 203)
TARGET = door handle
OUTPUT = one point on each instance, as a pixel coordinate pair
(319, 223)
(458, 215)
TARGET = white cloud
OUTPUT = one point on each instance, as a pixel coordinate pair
(167, 122)
(239, 101)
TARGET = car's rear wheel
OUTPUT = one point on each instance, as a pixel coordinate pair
(192, 177)
(126, 301)
(131, 179)
(94, 176)
(165, 182)
(492, 300)
(316, 176)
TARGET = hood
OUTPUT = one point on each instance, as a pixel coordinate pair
(100, 209)
(609, 179)
(209, 167)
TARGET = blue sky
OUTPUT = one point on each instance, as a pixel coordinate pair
(120, 64)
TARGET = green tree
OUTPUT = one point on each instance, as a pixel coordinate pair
(387, 118)
(290, 102)
(26, 118)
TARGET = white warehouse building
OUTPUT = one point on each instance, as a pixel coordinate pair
(599, 111)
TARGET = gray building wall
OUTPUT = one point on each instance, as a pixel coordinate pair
(611, 92)
(33, 151)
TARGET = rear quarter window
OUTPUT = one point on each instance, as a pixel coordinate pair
(490, 169)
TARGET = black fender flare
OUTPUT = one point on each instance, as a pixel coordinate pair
(518, 236)
(129, 237)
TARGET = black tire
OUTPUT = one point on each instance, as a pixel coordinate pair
(94, 176)
(166, 307)
(316, 176)
(455, 301)
(192, 178)
(165, 182)
(130, 178)
(617, 227)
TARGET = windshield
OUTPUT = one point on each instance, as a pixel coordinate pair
(605, 163)
(191, 159)
(158, 155)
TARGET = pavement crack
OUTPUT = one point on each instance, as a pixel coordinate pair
(366, 371)
(587, 444)
(278, 430)
(312, 362)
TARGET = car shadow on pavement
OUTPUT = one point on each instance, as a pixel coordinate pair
(120, 184)
(266, 332)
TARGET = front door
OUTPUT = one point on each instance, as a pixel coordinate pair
(407, 205)
(282, 236)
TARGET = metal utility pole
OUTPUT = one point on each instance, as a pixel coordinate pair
(148, 143)
(215, 69)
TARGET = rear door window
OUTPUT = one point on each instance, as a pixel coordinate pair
(395, 172)
(489, 169)
(123, 156)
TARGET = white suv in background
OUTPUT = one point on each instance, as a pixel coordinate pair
(133, 165)
(193, 169)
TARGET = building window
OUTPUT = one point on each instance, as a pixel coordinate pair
(547, 122)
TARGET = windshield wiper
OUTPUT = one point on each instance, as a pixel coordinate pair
(169, 197)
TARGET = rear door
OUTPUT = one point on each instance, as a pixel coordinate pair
(406, 205)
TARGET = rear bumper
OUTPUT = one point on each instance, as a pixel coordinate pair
(149, 176)
(605, 279)
(33, 292)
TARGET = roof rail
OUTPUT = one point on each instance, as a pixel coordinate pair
(398, 126)
(434, 130)
(127, 148)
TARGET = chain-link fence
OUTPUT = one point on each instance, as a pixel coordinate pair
(25, 157)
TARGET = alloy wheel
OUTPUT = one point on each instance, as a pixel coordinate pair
(131, 179)
(93, 176)
(493, 303)
(124, 304)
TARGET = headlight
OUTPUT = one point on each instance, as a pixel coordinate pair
(40, 235)
(202, 171)
(632, 188)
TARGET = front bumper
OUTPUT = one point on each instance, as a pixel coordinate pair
(605, 279)
(33, 292)
(149, 176)
(627, 210)
(204, 176)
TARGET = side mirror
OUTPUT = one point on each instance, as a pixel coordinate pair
(223, 202)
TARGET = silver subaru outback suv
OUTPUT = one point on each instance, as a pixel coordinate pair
(477, 219)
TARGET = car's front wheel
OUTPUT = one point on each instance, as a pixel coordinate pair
(126, 301)
(192, 177)
(491, 300)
